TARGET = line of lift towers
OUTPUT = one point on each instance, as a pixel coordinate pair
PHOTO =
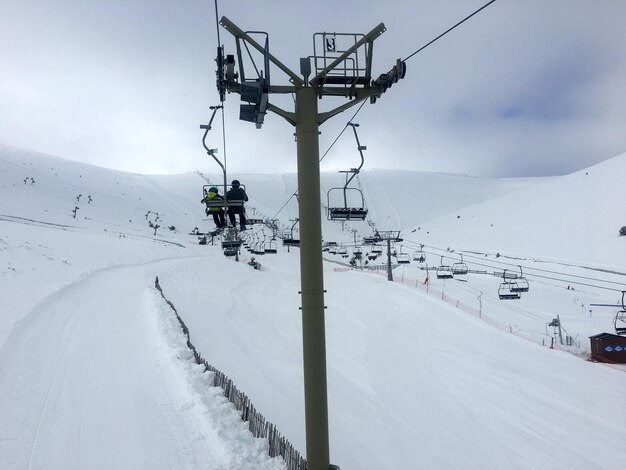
(341, 66)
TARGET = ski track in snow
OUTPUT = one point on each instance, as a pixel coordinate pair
(68, 366)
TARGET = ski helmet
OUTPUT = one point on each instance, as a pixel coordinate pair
(235, 184)
(212, 189)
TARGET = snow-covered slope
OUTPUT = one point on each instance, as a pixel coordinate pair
(94, 373)
(574, 218)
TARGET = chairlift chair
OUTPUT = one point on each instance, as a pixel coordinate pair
(231, 239)
(444, 271)
(230, 251)
(231, 243)
(342, 250)
(371, 240)
(521, 284)
(288, 238)
(377, 249)
(460, 268)
(404, 258)
(508, 291)
(419, 256)
(270, 248)
(212, 153)
(349, 213)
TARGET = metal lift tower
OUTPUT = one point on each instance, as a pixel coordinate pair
(341, 64)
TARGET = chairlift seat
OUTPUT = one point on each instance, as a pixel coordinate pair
(231, 243)
(346, 213)
(520, 285)
(229, 203)
(460, 269)
(509, 295)
(404, 258)
(444, 272)
(230, 251)
(506, 291)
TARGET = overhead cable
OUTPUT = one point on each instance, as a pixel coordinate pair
(446, 32)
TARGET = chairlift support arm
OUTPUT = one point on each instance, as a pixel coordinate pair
(236, 31)
(368, 38)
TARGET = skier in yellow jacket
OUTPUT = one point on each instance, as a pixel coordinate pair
(217, 212)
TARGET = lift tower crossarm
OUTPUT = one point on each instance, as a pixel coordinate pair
(236, 31)
(361, 96)
(368, 38)
(289, 117)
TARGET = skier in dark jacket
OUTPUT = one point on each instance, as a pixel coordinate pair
(237, 193)
(216, 212)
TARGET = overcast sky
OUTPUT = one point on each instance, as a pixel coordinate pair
(524, 88)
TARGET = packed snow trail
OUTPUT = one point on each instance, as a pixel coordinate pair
(88, 380)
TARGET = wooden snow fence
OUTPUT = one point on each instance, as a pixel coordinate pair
(257, 424)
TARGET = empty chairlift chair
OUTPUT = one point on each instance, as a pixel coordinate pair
(270, 248)
(460, 270)
(289, 239)
(521, 283)
(403, 258)
(346, 212)
(230, 251)
(444, 271)
(508, 291)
